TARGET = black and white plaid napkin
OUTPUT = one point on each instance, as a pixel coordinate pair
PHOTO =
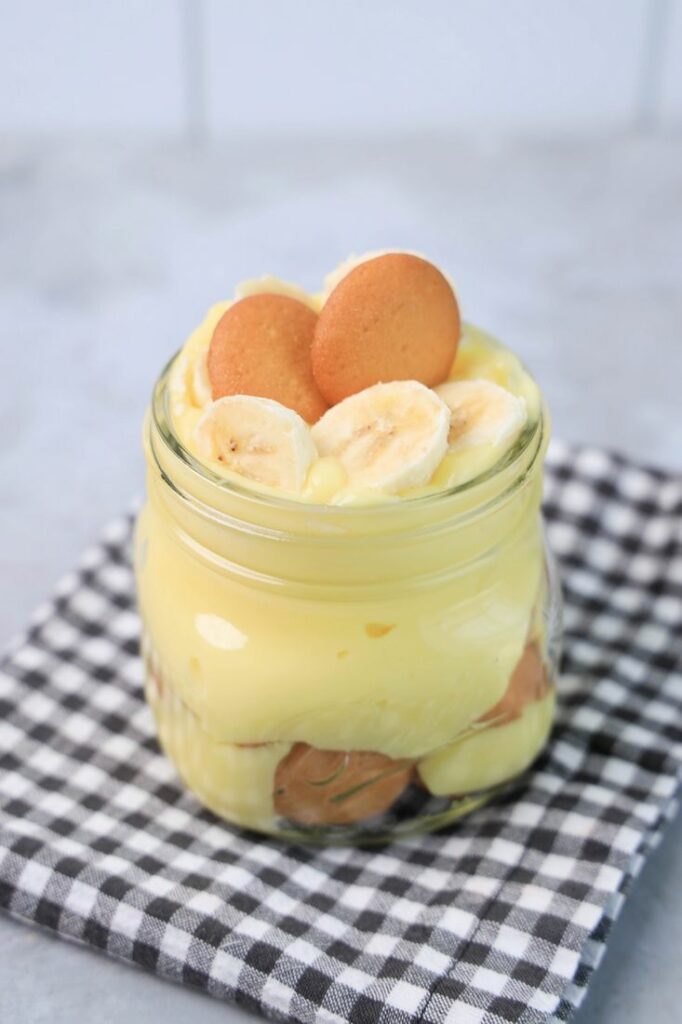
(502, 918)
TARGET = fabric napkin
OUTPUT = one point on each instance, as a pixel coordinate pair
(502, 918)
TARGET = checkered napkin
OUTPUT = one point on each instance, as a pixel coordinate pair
(501, 918)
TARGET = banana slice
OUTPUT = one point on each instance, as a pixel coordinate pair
(257, 438)
(482, 413)
(389, 437)
(201, 385)
(344, 268)
(268, 284)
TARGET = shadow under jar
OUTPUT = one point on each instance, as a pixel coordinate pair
(346, 674)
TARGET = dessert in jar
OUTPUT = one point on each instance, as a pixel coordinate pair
(350, 619)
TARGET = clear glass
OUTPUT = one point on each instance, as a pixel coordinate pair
(346, 674)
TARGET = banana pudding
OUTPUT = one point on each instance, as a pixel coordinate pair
(350, 620)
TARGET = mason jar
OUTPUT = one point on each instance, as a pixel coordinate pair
(346, 673)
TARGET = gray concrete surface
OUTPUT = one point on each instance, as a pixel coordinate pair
(571, 251)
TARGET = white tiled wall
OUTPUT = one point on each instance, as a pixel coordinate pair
(671, 79)
(69, 65)
(230, 66)
(434, 63)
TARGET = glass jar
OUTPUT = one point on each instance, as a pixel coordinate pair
(346, 673)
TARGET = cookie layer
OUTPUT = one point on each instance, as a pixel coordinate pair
(332, 787)
(528, 683)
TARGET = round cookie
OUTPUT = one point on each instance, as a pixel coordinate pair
(332, 787)
(528, 682)
(261, 346)
(394, 317)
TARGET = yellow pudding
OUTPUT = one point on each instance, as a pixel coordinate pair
(339, 617)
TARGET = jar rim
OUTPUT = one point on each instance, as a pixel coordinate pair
(534, 432)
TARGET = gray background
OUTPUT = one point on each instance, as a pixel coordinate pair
(143, 171)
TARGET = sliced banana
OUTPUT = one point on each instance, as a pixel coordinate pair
(482, 413)
(201, 386)
(268, 284)
(389, 437)
(189, 386)
(344, 268)
(197, 351)
(257, 438)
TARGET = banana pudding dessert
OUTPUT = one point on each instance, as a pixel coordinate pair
(350, 620)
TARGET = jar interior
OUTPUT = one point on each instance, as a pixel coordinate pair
(337, 675)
